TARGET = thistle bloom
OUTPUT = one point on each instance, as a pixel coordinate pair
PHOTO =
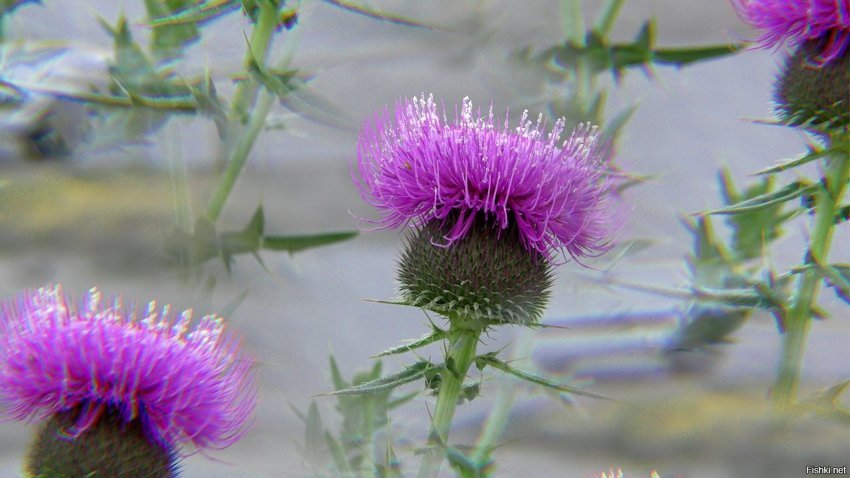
(795, 22)
(423, 168)
(182, 385)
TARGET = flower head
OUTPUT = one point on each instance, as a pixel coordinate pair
(423, 168)
(180, 384)
(826, 22)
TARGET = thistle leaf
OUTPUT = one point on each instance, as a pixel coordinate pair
(489, 359)
(813, 154)
(838, 277)
(302, 242)
(436, 335)
(684, 56)
(410, 374)
(787, 193)
(202, 12)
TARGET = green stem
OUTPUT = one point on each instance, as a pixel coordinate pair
(606, 19)
(261, 35)
(179, 185)
(798, 318)
(574, 22)
(461, 353)
(240, 155)
(247, 93)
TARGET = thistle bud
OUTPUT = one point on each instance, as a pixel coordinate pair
(813, 95)
(109, 448)
(485, 278)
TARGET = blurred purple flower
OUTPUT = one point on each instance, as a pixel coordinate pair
(196, 386)
(423, 168)
(826, 22)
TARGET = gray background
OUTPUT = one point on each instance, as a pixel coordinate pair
(99, 220)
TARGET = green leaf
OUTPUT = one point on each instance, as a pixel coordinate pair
(376, 14)
(826, 403)
(755, 229)
(743, 298)
(706, 324)
(168, 41)
(813, 155)
(314, 434)
(838, 277)
(709, 264)
(410, 374)
(336, 377)
(279, 82)
(787, 193)
(301, 242)
(436, 335)
(489, 359)
(201, 12)
(685, 56)
(338, 453)
(247, 240)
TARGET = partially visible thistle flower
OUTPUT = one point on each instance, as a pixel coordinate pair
(492, 207)
(424, 168)
(795, 22)
(101, 371)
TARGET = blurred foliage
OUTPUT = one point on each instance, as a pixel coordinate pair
(353, 451)
(576, 67)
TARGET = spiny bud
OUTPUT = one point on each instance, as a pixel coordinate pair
(487, 277)
(812, 95)
(110, 448)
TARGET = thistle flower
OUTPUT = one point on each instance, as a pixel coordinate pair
(424, 168)
(491, 207)
(795, 22)
(101, 365)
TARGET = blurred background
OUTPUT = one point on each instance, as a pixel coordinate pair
(85, 208)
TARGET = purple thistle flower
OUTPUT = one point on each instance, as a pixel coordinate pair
(423, 168)
(182, 385)
(826, 22)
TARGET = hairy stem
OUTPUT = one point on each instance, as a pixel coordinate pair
(799, 316)
(460, 354)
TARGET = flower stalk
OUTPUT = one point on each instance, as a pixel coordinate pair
(247, 93)
(459, 357)
(799, 317)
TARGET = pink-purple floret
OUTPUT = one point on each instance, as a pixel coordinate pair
(421, 167)
(794, 22)
(185, 384)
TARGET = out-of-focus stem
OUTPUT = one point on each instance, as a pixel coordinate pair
(606, 19)
(240, 154)
(799, 316)
(501, 411)
(573, 21)
(461, 353)
(247, 94)
(261, 35)
(179, 186)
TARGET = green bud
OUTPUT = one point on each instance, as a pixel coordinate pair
(110, 448)
(488, 277)
(812, 95)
